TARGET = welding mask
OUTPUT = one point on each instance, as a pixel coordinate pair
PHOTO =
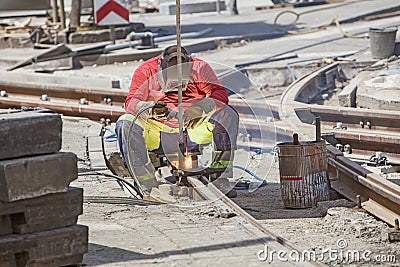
(167, 73)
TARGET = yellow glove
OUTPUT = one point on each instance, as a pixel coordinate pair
(193, 115)
(159, 111)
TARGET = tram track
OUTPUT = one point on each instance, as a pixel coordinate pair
(294, 111)
(370, 191)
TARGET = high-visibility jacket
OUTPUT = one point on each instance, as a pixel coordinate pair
(146, 87)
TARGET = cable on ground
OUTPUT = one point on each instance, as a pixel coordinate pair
(316, 29)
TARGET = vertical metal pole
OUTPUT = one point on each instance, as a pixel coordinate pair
(179, 69)
(62, 14)
(218, 9)
(317, 129)
(233, 7)
(112, 34)
(358, 199)
(75, 16)
(54, 10)
(295, 139)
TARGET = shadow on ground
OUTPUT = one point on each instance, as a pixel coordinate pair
(221, 29)
(100, 254)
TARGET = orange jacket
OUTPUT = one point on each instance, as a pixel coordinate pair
(146, 87)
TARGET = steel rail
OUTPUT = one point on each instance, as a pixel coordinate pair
(367, 142)
(378, 196)
(63, 92)
(28, 95)
(211, 193)
(93, 112)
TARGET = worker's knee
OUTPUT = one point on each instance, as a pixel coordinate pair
(123, 128)
(226, 117)
(226, 123)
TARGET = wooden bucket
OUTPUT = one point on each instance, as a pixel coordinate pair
(303, 172)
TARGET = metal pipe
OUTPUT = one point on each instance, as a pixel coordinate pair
(317, 129)
(358, 198)
(54, 10)
(62, 14)
(112, 33)
(75, 16)
(295, 139)
(179, 69)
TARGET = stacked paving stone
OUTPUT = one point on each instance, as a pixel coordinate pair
(38, 209)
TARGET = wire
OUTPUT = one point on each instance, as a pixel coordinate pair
(263, 182)
(130, 168)
(322, 27)
(119, 200)
(110, 138)
(249, 172)
(124, 182)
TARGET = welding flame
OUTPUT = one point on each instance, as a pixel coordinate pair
(188, 162)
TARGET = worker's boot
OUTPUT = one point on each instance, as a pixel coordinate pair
(225, 187)
(222, 164)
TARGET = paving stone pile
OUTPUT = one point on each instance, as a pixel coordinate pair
(38, 209)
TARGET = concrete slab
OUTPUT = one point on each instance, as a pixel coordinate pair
(41, 213)
(59, 247)
(36, 176)
(29, 133)
(83, 37)
(168, 235)
(347, 97)
(380, 90)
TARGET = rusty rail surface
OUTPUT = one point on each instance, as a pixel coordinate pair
(64, 99)
(377, 195)
(256, 125)
(69, 108)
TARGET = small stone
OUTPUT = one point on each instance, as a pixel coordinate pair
(228, 215)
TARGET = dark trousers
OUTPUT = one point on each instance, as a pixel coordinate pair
(226, 123)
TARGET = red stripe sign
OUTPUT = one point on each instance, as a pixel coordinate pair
(291, 178)
(110, 12)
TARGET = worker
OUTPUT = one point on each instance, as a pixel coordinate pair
(153, 98)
